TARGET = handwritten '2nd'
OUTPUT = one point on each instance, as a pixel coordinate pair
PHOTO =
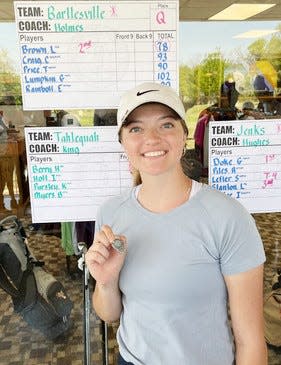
(85, 45)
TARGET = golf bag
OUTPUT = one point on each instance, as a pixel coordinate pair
(36, 295)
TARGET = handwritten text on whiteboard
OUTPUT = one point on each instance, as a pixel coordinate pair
(245, 162)
(73, 170)
(85, 55)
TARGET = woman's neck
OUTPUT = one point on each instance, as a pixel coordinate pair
(161, 194)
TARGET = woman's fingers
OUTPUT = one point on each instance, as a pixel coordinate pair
(103, 246)
(96, 254)
(107, 237)
(104, 236)
(99, 258)
(101, 249)
(103, 260)
(108, 234)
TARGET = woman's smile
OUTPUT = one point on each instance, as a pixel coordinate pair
(154, 154)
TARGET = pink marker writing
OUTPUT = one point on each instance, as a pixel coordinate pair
(85, 45)
(270, 177)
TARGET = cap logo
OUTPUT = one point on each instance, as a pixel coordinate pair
(139, 93)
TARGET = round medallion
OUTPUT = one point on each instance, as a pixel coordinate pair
(118, 245)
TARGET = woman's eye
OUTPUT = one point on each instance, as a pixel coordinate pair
(134, 130)
(168, 125)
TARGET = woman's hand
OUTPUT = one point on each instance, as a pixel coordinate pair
(102, 260)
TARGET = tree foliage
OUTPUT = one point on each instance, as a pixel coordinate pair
(202, 83)
(187, 85)
(258, 48)
(9, 79)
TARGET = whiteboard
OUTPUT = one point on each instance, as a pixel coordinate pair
(82, 54)
(245, 162)
(72, 171)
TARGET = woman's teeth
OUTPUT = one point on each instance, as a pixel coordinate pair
(154, 153)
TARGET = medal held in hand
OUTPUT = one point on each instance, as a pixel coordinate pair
(118, 245)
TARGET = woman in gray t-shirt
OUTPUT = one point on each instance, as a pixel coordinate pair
(170, 254)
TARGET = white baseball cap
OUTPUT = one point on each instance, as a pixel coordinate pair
(149, 92)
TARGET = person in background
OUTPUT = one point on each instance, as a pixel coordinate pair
(229, 94)
(249, 112)
(188, 250)
(263, 91)
(276, 106)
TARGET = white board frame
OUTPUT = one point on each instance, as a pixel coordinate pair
(72, 171)
(80, 63)
(245, 162)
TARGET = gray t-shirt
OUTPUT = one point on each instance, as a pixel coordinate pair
(173, 291)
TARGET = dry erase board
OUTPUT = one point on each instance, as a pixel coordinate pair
(73, 170)
(83, 54)
(245, 162)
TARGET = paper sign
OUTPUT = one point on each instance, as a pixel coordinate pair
(73, 170)
(245, 162)
(84, 54)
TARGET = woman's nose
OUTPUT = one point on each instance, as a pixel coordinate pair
(152, 135)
